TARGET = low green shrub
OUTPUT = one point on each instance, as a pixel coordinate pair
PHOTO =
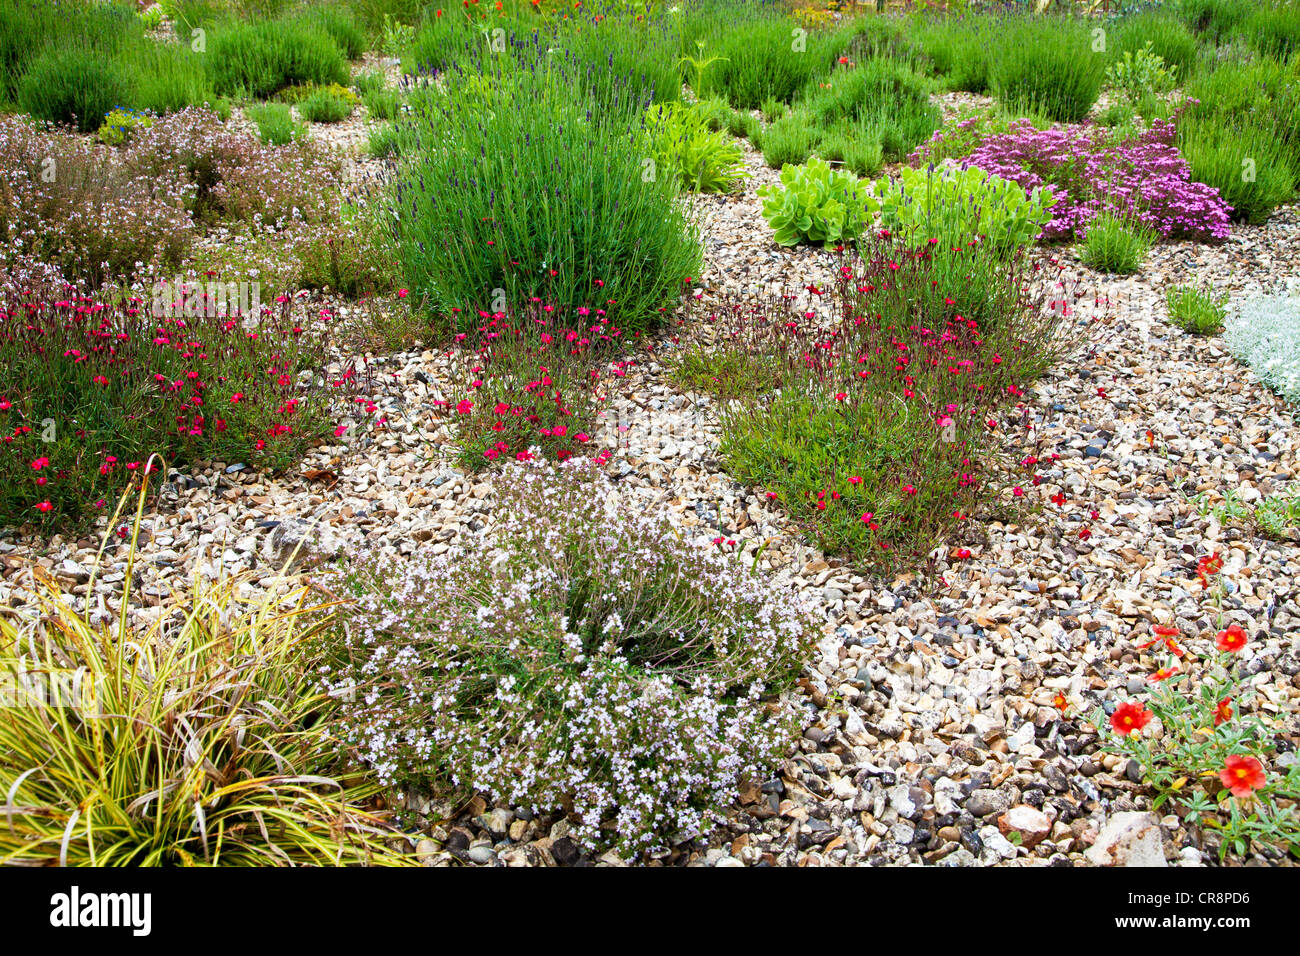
(1273, 29)
(275, 123)
(1195, 310)
(685, 149)
(1162, 33)
(764, 57)
(337, 21)
(1047, 65)
(957, 49)
(1115, 244)
(1252, 171)
(262, 58)
(1140, 74)
(539, 191)
(1213, 20)
(789, 141)
(167, 77)
(77, 87)
(381, 104)
(879, 100)
(324, 106)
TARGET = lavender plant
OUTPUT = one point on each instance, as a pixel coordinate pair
(577, 655)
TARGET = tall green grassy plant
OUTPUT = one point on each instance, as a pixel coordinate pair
(765, 56)
(539, 191)
(75, 86)
(1169, 36)
(263, 58)
(1213, 19)
(1274, 30)
(957, 49)
(1047, 65)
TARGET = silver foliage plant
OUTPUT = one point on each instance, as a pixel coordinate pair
(578, 655)
(1264, 332)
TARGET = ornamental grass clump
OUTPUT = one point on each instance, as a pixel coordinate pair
(764, 54)
(1048, 65)
(1114, 244)
(578, 656)
(1195, 310)
(199, 740)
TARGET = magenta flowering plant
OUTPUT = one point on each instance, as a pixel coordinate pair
(95, 388)
(872, 411)
(1092, 170)
(529, 382)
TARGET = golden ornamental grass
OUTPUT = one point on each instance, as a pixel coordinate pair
(198, 740)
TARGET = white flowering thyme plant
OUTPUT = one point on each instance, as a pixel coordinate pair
(578, 656)
(1264, 332)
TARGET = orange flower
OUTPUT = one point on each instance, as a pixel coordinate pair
(1242, 775)
(1059, 702)
(1130, 718)
(1164, 673)
(1233, 639)
(1210, 564)
(1223, 712)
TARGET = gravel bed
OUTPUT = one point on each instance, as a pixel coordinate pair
(931, 737)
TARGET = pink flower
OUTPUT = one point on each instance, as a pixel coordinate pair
(909, 489)
(44, 506)
(855, 480)
(464, 405)
(40, 463)
(339, 432)
(401, 293)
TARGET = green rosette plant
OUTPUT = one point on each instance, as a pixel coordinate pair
(816, 203)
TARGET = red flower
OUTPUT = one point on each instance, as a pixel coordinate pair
(1165, 631)
(1233, 639)
(1223, 712)
(1129, 718)
(1164, 673)
(44, 506)
(1242, 775)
